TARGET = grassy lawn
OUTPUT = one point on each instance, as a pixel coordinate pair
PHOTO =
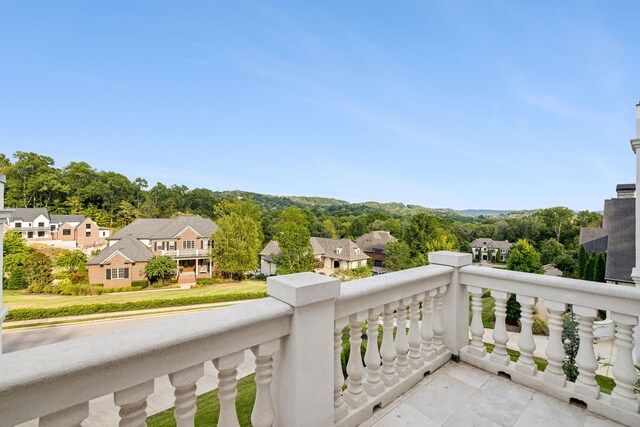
(16, 299)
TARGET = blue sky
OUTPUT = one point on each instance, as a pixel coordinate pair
(488, 104)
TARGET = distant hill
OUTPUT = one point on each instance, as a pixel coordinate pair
(486, 212)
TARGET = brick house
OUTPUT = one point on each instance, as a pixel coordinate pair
(374, 244)
(490, 248)
(186, 239)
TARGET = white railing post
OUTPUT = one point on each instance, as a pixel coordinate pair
(184, 382)
(586, 358)
(500, 336)
(526, 344)
(456, 301)
(263, 414)
(303, 384)
(555, 350)
(68, 417)
(624, 371)
(477, 328)
(133, 404)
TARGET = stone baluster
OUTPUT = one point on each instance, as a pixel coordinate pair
(70, 417)
(227, 367)
(402, 343)
(554, 374)
(373, 385)
(184, 382)
(624, 371)
(263, 414)
(339, 407)
(415, 358)
(477, 329)
(438, 321)
(133, 404)
(354, 395)
(526, 343)
(500, 337)
(426, 328)
(586, 358)
(387, 349)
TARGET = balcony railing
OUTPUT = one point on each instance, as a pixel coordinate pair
(296, 336)
(184, 253)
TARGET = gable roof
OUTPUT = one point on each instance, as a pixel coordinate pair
(165, 228)
(61, 219)
(27, 214)
(375, 239)
(349, 250)
(594, 239)
(491, 244)
(128, 246)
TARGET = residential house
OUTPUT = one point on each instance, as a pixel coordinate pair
(616, 237)
(330, 254)
(491, 248)
(71, 231)
(186, 239)
(374, 244)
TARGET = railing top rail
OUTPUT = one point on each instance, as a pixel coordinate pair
(360, 295)
(86, 368)
(605, 296)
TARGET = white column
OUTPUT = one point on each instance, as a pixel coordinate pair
(455, 304)
(303, 366)
(4, 214)
(184, 382)
(586, 357)
(354, 395)
(339, 407)
(402, 343)
(373, 385)
(426, 327)
(387, 349)
(527, 345)
(477, 328)
(635, 273)
(263, 414)
(133, 404)
(500, 336)
(415, 358)
(227, 367)
(555, 349)
(624, 371)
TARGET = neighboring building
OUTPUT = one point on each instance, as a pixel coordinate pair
(616, 237)
(186, 239)
(491, 248)
(36, 225)
(330, 253)
(374, 244)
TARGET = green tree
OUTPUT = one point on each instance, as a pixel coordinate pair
(238, 238)
(590, 269)
(38, 271)
(567, 264)
(524, 257)
(32, 181)
(550, 249)
(358, 227)
(294, 240)
(600, 268)
(571, 343)
(514, 311)
(582, 261)
(427, 233)
(398, 256)
(159, 269)
(16, 280)
(15, 244)
(72, 260)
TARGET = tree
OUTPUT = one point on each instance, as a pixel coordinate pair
(582, 261)
(398, 256)
(550, 249)
(72, 260)
(238, 238)
(590, 269)
(557, 219)
(294, 241)
(16, 280)
(427, 233)
(600, 268)
(38, 271)
(523, 257)
(567, 264)
(15, 244)
(571, 343)
(514, 311)
(159, 269)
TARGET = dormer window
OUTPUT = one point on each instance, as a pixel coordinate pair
(338, 251)
(357, 251)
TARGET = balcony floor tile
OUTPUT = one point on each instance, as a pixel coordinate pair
(461, 395)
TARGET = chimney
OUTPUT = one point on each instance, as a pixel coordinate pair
(626, 191)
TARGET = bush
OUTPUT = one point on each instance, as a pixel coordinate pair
(260, 276)
(513, 311)
(66, 287)
(204, 281)
(75, 310)
(79, 278)
(123, 289)
(540, 326)
(16, 280)
(140, 283)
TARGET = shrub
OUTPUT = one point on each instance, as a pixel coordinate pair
(260, 276)
(204, 281)
(16, 280)
(140, 283)
(37, 271)
(513, 311)
(122, 289)
(540, 326)
(79, 278)
(75, 310)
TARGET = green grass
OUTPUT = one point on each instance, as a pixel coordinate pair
(209, 407)
(17, 299)
(606, 383)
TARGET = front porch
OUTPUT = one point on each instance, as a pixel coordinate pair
(295, 336)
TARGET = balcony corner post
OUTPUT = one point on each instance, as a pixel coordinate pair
(303, 384)
(456, 300)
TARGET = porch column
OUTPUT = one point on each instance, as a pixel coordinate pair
(635, 274)
(4, 214)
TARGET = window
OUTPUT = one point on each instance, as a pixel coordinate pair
(357, 251)
(172, 246)
(18, 225)
(66, 232)
(88, 227)
(40, 233)
(204, 244)
(377, 263)
(159, 246)
(41, 224)
(87, 233)
(338, 251)
(188, 244)
(53, 227)
(117, 273)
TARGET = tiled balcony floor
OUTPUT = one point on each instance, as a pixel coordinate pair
(461, 395)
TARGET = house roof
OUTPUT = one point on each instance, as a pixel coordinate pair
(27, 214)
(321, 247)
(490, 243)
(165, 228)
(128, 246)
(594, 239)
(374, 240)
(61, 219)
(621, 247)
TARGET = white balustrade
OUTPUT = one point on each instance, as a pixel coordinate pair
(402, 342)
(339, 407)
(554, 374)
(133, 404)
(500, 337)
(354, 395)
(184, 382)
(526, 344)
(263, 414)
(624, 371)
(438, 321)
(387, 348)
(415, 358)
(586, 358)
(373, 384)
(70, 417)
(477, 329)
(426, 328)
(227, 367)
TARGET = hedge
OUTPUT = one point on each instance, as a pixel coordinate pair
(141, 283)
(76, 310)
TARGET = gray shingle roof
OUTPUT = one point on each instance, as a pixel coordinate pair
(594, 239)
(490, 243)
(322, 247)
(165, 228)
(621, 250)
(375, 239)
(128, 246)
(27, 214)
(61, 219)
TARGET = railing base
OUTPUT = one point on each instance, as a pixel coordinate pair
(358, 415)
(601, 405)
